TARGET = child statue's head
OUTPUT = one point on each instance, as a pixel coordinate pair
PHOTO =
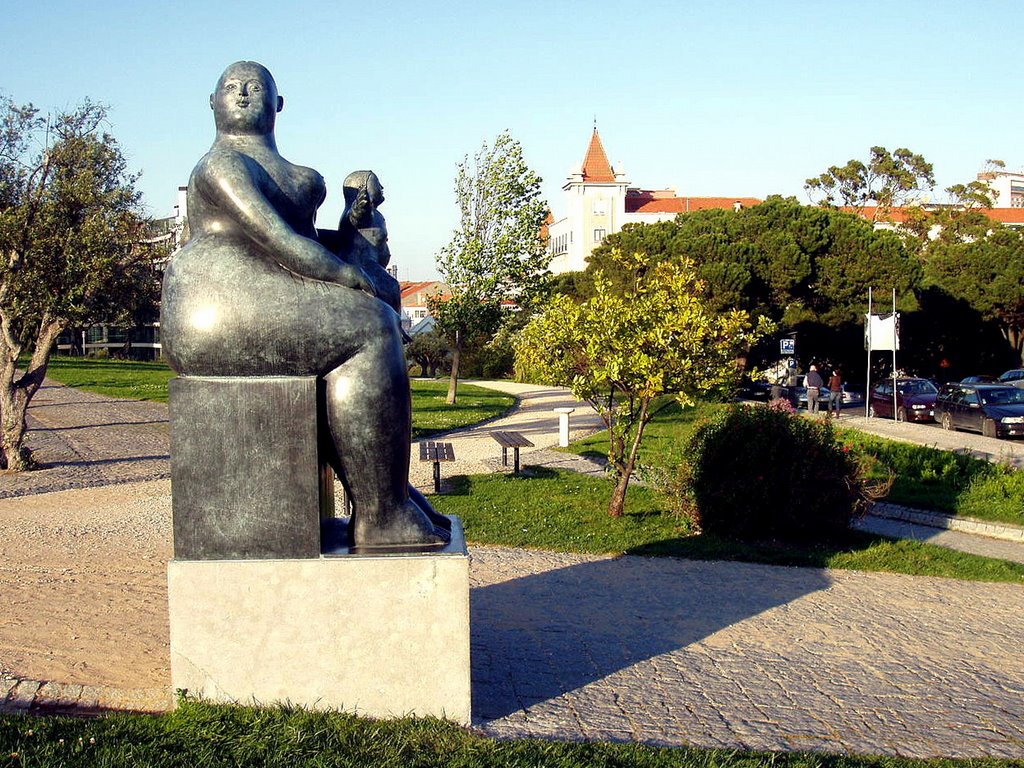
(357, 181)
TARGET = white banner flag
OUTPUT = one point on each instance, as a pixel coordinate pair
(882, 332)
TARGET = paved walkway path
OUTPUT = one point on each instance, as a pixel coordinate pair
(964, 542)
(662, 651)
(534, 417)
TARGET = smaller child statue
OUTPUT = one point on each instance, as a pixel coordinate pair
(364, 235)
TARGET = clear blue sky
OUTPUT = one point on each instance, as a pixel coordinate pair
(710, 98)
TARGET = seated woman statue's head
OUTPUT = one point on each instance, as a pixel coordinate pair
(245, 100)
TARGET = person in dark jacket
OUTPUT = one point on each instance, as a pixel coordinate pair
(814, 384)
(835, 386)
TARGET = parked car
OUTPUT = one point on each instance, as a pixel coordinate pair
(851, 396)
(979, 380)
(1014, 376)
(798, 395)
(914, 399)
(995, 410)
(754, 390)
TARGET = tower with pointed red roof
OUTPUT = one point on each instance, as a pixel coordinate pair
(595, 198)
(600, 201)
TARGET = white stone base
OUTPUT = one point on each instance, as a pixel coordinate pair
(380, 636)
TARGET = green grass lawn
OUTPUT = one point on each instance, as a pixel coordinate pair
(148, 381)
(200, 735)
(114, 378)
(567, 512)
(664, 438)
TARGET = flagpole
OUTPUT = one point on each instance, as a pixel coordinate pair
(867, 333)
(895, 408)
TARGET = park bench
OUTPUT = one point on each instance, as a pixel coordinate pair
(513, 440)
(436, 452)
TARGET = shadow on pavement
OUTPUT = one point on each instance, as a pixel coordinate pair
(100, 426)
(539, 636)
(116, 460)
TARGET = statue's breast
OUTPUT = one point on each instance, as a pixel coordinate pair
(296, 192)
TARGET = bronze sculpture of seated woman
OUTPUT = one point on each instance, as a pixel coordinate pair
(255, 293)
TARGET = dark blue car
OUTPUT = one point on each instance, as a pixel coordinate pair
(995, 410)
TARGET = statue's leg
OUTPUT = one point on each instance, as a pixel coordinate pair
(439, 520)
(369, 412)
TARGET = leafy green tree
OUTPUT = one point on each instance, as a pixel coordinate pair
(622, 349)
(988, 274)
(790, 262)
(71, 246)
(966, 217)
(497, 252)
(860, 257)
(429, 351)
(887, 180)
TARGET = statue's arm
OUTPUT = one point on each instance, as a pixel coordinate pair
(226, 180)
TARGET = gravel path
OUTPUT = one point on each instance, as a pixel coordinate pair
(86, 440)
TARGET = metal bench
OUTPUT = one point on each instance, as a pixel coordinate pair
(513, 440)
(436, 452)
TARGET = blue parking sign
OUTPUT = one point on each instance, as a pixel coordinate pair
(787, 346)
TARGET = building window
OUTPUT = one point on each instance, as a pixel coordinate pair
(599, 235)
(599, 207)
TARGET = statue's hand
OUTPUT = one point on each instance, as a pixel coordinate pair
(360, 209)
(352, 276)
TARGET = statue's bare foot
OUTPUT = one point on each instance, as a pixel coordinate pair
(405, 526)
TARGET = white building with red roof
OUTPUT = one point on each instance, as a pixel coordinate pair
(416, 317)
(599, 201)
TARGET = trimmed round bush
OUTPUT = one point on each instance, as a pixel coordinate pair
(760, 473)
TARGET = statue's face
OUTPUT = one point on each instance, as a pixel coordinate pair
(245, 100)
(374, 190)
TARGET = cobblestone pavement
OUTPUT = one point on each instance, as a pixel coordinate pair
(676, 652)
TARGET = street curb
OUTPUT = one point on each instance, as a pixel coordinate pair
(1003, 531)
(23, 696)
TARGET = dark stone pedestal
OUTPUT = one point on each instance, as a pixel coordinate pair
(247, 479)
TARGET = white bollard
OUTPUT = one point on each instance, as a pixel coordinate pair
(563, 425)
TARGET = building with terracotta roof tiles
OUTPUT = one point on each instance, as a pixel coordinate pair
(599, 201)
(1007, 191)
(416, 317)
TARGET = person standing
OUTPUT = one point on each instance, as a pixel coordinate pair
(835, 386)
(814, 384)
